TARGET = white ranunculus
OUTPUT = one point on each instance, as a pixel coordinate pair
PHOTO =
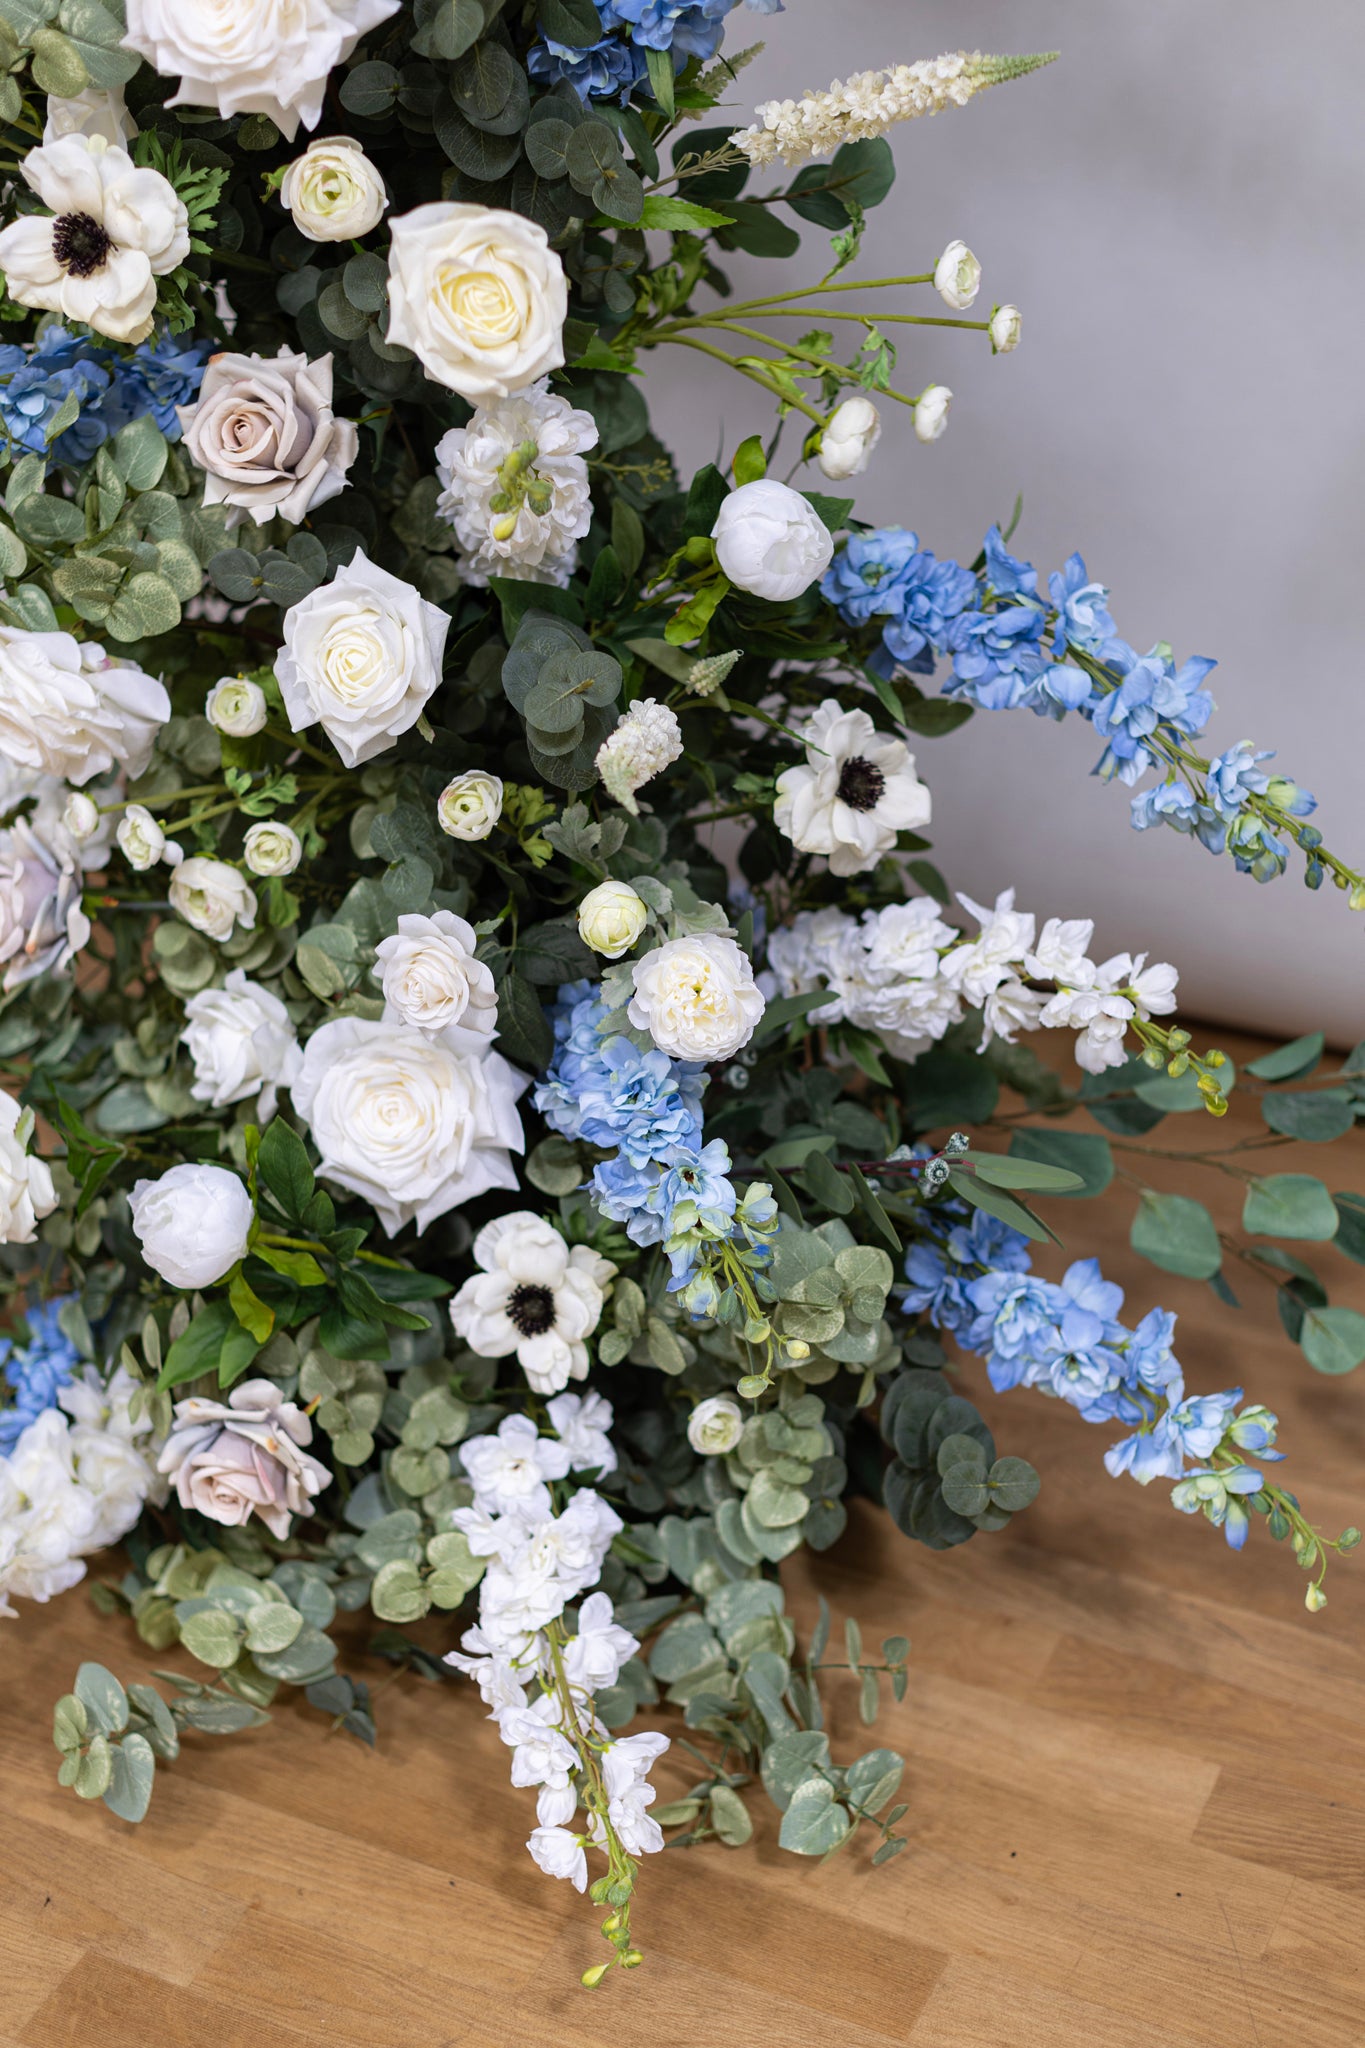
(241, 1040)
(957, 277)
(212, 897)
(333, 191)
(402, 1121)
(696, 997)
(272, 848)
(267, 57)
(141, 840)
(535, 1297)
(361, 656)
(113, 230)
(611, 918)
(433, 983)
(715, 1426)
(479, 297)
(856, 789)
(69, 710)
(470, 806)
(96, 111)
(192, 1222)
(515, 487)
(231, 1459)
(931, 412)
(263, 431)
(42, 923)
(237, 707)
(851, 433)
(26, 1190)
(1005, 326)
(770, 542)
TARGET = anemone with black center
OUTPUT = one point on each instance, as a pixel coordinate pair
(80, 244)
(861, 784)
(531, 1309)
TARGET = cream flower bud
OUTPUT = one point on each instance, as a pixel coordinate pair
(140, 838)
(611, 918)
(851, 433)
(236, 707)
(212, 897)
(957, 276)
(931, 412)
(333, 191)
(81, 816)
(272, 849)
(1006, 322)
(470, 806)
(715, 1426)
(192, 1222)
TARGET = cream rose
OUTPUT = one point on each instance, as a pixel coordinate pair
(361, 656)
(264, 433)
(230, 1460)
(333, 191)
(402, 1121)
(715, 1426)
(193, 1222)
(26, 1190)
(433, 983)
(479, 297)
(242, 1043)
(236, 707)
(68, 710)
(272, 848)
(611, 918)
(696, 997)
(470, 806)
(212, 897)
(42, 923)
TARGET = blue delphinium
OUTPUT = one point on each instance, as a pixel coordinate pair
(1153, 695)
(1082, 611)
(997, 657)
(34, 1373)
(887, 575)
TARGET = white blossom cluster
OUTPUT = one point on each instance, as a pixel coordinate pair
(515, 487)
(646, 740)
(868, 104)
(539, 1561)
(905, 974)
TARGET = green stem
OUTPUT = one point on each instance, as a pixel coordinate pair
(769, 384)
(311, 1244)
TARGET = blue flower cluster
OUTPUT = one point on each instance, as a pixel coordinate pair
(614, 65)
(111, 388)
(974, 1279)
(34, 1373)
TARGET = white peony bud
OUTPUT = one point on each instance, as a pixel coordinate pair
(81, 816)
(770, 542)
(236, 707)
(470, 806)
(696, 997)
(957, 276)
(611, 918)
(272, 849)
(192, 1222)
(333, 191)
(212, 897)
(931, 412)
(1006, 322)
(851, 433)
(715, 1426)
(140, 838)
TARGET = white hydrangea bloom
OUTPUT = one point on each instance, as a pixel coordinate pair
(647, 738)
(514, 486)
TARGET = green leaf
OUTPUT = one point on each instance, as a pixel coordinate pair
(140, 452)
(129, 1791)
(1010, 1171)
(829, 1188)
(792, 1759)
(1333, 1339)
(1350, 1237)
(1316, 1117)
(1083, 1153)
(1177, 1234)
(524, 1034)
(730, 1816)
(1289, 1205)
(213, 1636)
(813, 1823)
(94, 1771)
(1000, 1205)
(874, 1779)
(398, 1593)
(199, 1349)
(310, 1656)
(864, 171)
(250, 1311)
(1013, 1484)
(283, 1165)
(659, 65)
(104, 1700)
(1289, 1062)
(272, 1626)
(679, 216)
(69, 1722)
(300, 1266)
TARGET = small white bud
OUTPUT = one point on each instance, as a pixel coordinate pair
(236, 707)
(851, 433)
(957, 276)
(140, 838)
(715, 1426)
(470, 806)
(931, 412)
(1006, 322)
(272, 849)
(81, 816)
(611, 918)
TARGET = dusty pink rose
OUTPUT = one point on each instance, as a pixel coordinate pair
(243, 1457)
(264, 433)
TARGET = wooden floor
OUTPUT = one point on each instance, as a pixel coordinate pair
(1137, 1811)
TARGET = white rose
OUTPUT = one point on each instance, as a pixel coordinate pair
(479, 297)
(931, 412)
(212, 897)
(68, 710)
(433, 983)
(696, 998)
(242, 1043)
(96, 111)
(361, 656)
(26, 1190)
(770, 542)
(112, 232)
(140, 838)
(715, 1426)
(236, 707)
(1005, 325)
(192, 1222)
(333, 191)
(856, 789)
(957, 276)
(81, 816)
(267, 57)
(263, 431)
(470, 806)
(401, 1120)
(272, 849)
(42, 923)
(230, 1460)
(611, 918)
(851, 433)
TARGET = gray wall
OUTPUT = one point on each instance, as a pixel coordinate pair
(1176, 207)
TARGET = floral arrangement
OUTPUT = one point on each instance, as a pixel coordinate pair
(440, 1175)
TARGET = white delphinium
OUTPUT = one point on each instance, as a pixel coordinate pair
(509, 1470)
(581, 1422)
(514, 486)
(645, 741)
(977, 966)
(855, 791)
(535, 1296)
(870, 102)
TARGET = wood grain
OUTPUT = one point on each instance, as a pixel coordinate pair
(1136, 1786)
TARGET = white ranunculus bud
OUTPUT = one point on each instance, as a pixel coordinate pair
(263, 431)
(715, 1426)
(696, 997)
(26, 1190)
(236, 707)
(333, 191)
(81, 816)
(433, 983)
(770, 542)
(212, 897)
(361, 656)
(470, 806)
(241, 1041)
(272, 849)
(931, 412)
(1006, 322)
(957, 276)
(611, 918)
(140, 838)
(851, 433)
(192, 1222)
(479, 297)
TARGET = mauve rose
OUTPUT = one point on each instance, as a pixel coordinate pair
(264, 433)
(42, 924)
(230, 1460)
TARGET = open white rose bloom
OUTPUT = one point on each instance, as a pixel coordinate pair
(502, 1112)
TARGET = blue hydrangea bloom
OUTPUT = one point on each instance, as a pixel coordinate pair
(159, 375)
(34, 1373)
(607, 70)
(39, 383)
